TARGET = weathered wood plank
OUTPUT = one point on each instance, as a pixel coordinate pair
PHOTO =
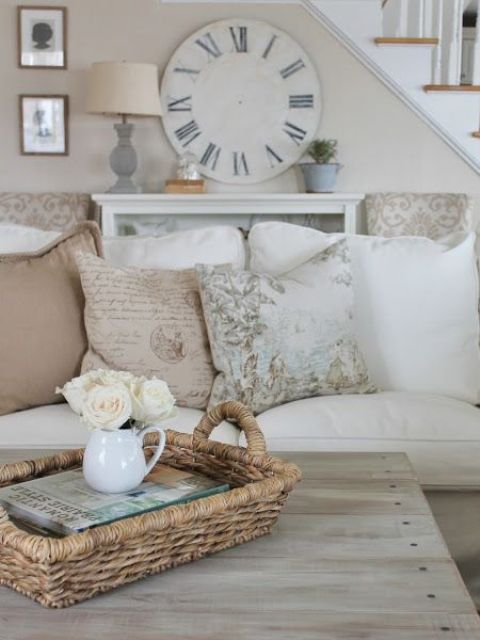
(119, 617)
(14, 455)
(345, 536)
(358, 497)
(224, 584)
(351, 466)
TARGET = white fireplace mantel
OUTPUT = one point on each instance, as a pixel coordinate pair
(177, 211)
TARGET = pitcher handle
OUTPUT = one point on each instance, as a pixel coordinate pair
(161, 445)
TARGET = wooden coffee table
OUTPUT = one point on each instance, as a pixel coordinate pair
(357, 554)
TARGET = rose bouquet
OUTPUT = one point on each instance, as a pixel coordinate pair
(108, 400)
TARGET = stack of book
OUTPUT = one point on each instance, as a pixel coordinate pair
(63, 504)
(185, 186)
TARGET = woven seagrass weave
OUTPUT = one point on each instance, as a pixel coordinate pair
(59, 572)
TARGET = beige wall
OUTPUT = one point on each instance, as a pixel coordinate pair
(383, 146)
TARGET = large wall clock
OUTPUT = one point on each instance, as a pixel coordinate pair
(243, 97)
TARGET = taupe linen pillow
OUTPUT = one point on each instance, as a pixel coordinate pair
(42, 335)
(148, 322)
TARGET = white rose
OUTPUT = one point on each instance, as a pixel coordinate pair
(117, 377)
(107, 407)
(76, 390)
(152, 401)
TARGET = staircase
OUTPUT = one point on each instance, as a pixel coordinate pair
(415, 47)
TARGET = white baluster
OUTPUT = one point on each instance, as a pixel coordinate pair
(415, 18)
(476, 50)
(437, 32)
(453, 32)
(395, 18)
(428, 21)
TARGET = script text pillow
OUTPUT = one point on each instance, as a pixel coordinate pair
(149, 322)
(279, 339)
(42, 335)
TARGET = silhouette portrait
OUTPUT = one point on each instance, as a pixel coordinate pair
(42, 34)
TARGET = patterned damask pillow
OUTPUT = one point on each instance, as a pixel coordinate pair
(278, 339)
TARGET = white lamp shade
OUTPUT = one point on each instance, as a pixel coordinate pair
(125, 88)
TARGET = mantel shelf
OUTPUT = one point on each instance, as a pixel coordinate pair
(230, 206)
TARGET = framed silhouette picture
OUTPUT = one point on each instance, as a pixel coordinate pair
(43, 125)
(42, 37)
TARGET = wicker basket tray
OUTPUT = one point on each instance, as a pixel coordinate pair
(58, 572)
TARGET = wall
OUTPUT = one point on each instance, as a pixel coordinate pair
(383, 146)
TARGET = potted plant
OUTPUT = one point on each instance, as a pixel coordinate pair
(321, 175)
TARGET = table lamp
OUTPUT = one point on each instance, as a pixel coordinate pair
(124, 89)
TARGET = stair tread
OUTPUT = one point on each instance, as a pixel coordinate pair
(414, 41)
(453, 87)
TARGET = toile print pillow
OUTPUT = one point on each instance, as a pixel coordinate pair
(278, 339)
(148, 322)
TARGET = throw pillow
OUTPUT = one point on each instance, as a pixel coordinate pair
(180, 250)
(15, 238)
(148, 322)
(275, 340)
(42, 335)
(416, 304)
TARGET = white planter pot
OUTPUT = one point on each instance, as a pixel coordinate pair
(320, 178)
(114, 461)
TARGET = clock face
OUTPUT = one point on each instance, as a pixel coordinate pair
(243, 97)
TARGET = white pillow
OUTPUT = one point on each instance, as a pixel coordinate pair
(416, 304)
(180, 250)
(18, 238)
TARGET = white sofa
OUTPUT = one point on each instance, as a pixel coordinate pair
(440, 434)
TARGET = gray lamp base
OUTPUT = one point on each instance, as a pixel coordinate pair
(123, 161)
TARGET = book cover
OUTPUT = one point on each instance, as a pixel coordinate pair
(64, 503)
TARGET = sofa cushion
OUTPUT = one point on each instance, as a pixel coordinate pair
(440, 435)
(181, 250)
(416, 303)
(279, 339)
(42, 335)
(58, 427)
(148, 322)
(16, 238)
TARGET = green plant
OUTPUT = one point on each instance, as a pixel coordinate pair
(323, 151)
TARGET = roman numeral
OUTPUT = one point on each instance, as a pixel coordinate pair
(211, 155)
(292, 68)
(240, 166)
(304, 101)
(180, 104)
(239, 37)
(266, 53)
(188, 133)
(297, 134)
(208, 44)
(190, 73)
(273, 158)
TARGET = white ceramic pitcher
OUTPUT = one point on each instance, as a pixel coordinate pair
(114, 461)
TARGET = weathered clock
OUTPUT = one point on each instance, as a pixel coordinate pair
(243, 97)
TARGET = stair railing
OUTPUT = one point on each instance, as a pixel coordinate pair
(441, 19)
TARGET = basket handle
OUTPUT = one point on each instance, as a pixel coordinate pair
(238, 412)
